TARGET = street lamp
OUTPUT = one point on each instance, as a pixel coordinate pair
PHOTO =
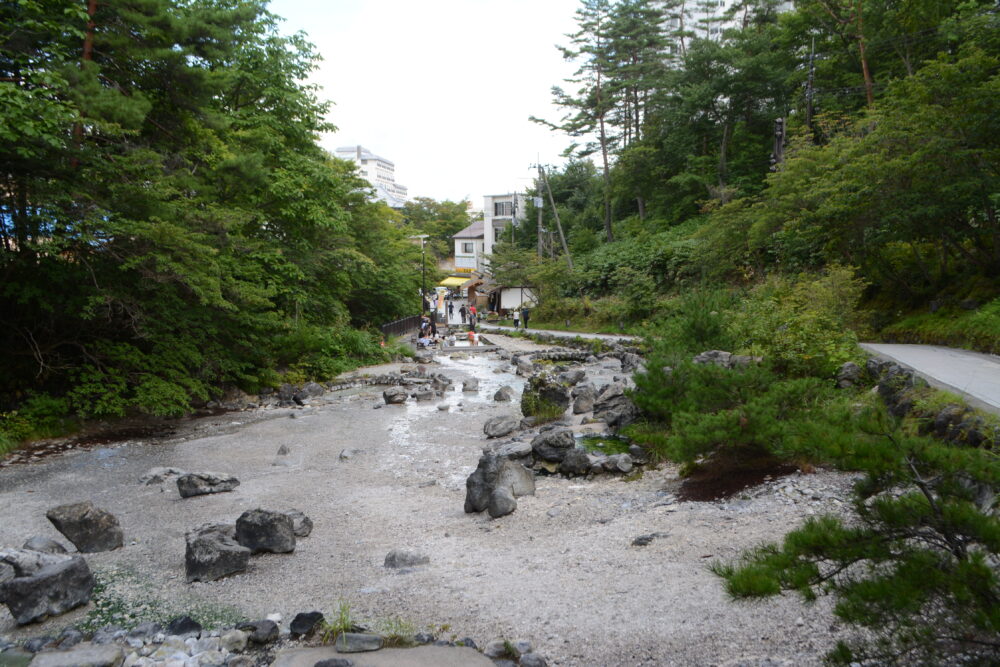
(423, 272)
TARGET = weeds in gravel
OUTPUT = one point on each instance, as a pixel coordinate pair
(339, 623)
(396, 632)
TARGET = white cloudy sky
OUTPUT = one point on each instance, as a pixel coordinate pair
(442, 88)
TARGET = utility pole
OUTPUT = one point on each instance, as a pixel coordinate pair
(538, 205)
(555, 214)
(809, 84)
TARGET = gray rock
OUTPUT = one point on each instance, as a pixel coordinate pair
(584, 396)
(849, 375)
(515, 449)
(204, 483)
(494, 472)
(425, 395)
(524, 366)
(572, 377)
(398, 558)
(443, 407)
(84, 655)
(618, 463)
(348, 454)
(313, 389)
(70, 637)
(639, 455)
(497, 649)
(184, 627)
(44, 544)
(305, 623)
(553, 445)
(264, 632)
(301, 524)
(233, 640)
(533, 660)
(501, 425)
(501, 502)
(514, 476)
(36, 644)
(263, 530)
(395, 395)
(159, 475)
(576, 462)
(239, 661)
(472, 384)
(144, 630)
(716, 357)
(15, 657)
(614, 408)
(357, 642)
(504, 394)
(543, 389)
(423, 356)
(335, 662)
(89, 528)
(212, 553)
(44, 584)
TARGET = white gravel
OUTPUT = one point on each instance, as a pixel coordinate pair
(560, 571)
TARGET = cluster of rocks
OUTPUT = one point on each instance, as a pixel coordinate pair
(418, 384)
(217, 550)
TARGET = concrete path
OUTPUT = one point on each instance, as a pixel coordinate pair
(972, 375)
(423, 656)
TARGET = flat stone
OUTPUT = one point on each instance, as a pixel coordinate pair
(357, 642)
(401, 558)
(83, 655)
(420, 656)
(205, 483)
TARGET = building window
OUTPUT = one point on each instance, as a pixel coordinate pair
(468, 248)
(503, 208)
(497, 233)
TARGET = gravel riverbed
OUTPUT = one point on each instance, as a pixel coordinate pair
(561, 571)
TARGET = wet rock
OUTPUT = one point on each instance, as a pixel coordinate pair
(501, 502)
(212, 553)
(398, 558)
(44, 544)
(425, 395)
(618, 463)
(504, 394)
(443, 407)
(263, 530)
(205, 483)
(554, 444)
(301, 524)
(524, 366)
(89, 528)
(501, 425)
(43, 584)
(357, 642)
(395, 395)
(472, 384)
(306, 623)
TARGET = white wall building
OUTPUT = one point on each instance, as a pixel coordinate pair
(378, 171)
(500, 212)
(469, 248)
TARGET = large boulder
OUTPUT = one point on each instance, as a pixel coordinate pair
(204, 483)
(614, 408)
(554, 444)
(262, 530)
(395, 395)
(301, 524)
(576, 462)
(495, 472)
(505, 394)
(543, 392)
(89, 528)
(472, 384)
(501, 502)
(501, 425)
(35, 585)
(213, 553)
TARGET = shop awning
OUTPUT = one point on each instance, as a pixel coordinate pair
(454, 281)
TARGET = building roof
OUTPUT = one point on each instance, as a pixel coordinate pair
(473, 231)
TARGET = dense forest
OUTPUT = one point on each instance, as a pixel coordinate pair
(169, 225)
(839, 133)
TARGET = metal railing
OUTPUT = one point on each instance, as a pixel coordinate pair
(401, 327)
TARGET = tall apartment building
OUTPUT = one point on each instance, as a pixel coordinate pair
(378, 171)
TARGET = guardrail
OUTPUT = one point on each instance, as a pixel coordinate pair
(401, 327)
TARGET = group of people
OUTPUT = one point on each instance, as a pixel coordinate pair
(469, 315)
(520, 314)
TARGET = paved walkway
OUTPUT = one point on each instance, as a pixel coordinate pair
(973, 375)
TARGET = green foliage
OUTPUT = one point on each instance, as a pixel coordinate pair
(915, 563)
(977, 329)
(337, 624)
(543, 411)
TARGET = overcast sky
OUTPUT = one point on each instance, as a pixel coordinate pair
(442, 88)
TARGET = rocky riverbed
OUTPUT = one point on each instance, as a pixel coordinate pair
(601, 570)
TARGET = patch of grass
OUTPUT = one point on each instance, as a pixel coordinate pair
(396, 632)
(339, 623)
(973, 329)
(543, 411)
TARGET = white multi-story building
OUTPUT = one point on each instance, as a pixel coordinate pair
(708, 19)
(469, 248)
(500, 214)
(378, 171)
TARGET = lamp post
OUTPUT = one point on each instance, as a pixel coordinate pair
(423, 273)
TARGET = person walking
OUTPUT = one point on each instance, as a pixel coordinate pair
(517, 317)
(525, 312)
(451, 311)
(462, 311)
(472, 316)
